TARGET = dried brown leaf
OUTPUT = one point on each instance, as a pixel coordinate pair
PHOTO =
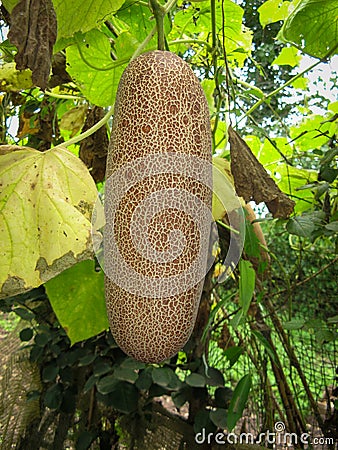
(252, 181)
(33, 31)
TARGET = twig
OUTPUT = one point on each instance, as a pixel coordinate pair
(88, 132)
(144, 44)
(300, 283)
(63, 96)
(293, 359)
(287, 83)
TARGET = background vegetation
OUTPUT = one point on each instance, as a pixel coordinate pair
(264, 346)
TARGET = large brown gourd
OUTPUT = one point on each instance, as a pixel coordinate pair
(160, 149)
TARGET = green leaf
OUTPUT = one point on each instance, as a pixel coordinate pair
(214, 377)
(223, 396)
(329, 156)
(130, 363)
(289, 56)
(328, 173)
(289, 179)
(218, 416)
(124, 397)
(195, 380)
(106, 384)
(53, 396)
(301, 83)
(246, 284)
(209, 90)
(325, 336)
(92, 68)
(266, 152)
(251, 243)
(162, 376)
(311, 133)
(77, 298)
(181, 397)
(50, 372)
(82, 16)
(294, 324)
(90, 383)
(9, 4)
(332, 320)
(86, 360)
(195, 19)
(137, 19)
(85, 439)
(238, 401)
(46, 200)
(333, 106)
(312, 27)
(24, 314)
(42, 339)
(262, 339)
(203, 424)
(333, 226)
(26, 334)
(125, 374)
(312, 325)
(306, 224)
(145, 379)
(233, 354)
(272, 11)
(101, 367)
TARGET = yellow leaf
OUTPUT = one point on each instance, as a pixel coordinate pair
(13, 80)
(46, 199)
(27, 125)
(74, 119)
(224, 198)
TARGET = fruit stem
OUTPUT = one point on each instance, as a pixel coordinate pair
(63, 96)
(159, 12)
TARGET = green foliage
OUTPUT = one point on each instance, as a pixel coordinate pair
(194, 20)
(289, 56)
(318, 21)
(77, 298)
(97, 368)
(246, 285)
(75, 16)
(251, 76)
(91, 65)
(238, 401)
(273, 11)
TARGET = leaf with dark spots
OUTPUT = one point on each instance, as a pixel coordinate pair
(33, 31)
(252, 181)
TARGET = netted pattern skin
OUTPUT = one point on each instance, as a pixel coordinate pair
(160, 109)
